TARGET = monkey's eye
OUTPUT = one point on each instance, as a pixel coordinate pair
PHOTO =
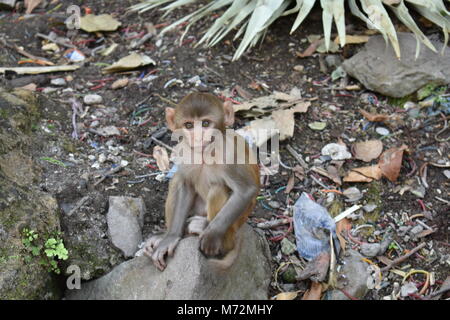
(188, 125)
(205, 123)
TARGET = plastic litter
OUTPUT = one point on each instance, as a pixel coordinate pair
(312, 225)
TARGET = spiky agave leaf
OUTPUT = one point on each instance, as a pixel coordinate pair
(402, 13)
(253, 17)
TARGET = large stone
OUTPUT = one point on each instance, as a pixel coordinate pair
(23, 204)
(352, 278)
(125, 220)
(378, 69)
(188, 275)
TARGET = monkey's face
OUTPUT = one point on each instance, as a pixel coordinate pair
(199, 133)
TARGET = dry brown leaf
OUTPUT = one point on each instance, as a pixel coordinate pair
(364, 174)
(30, 87)
(299, 172)
(290, 184)
(314, 292)
(286, 295)
(31, 5)
(390, 162)
(119, 83)
(310, 50)
(349, 39)
(243, 93)
(331, 173)
(162, 158)
(374, 117)
(343, 225)
(368, 150)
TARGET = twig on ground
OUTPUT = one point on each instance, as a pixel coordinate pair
(403, 258)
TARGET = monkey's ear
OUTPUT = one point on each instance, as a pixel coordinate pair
(229, 113)
(170, 118)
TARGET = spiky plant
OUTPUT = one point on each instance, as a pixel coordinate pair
(253, 17)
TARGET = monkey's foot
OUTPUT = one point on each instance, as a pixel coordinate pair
(197, 224)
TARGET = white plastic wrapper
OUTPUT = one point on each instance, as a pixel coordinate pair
(312, 225)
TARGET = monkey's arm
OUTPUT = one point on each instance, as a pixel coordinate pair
(181, 200)
(240, 181)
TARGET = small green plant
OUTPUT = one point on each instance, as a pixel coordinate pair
(393, 246)
(51, 251)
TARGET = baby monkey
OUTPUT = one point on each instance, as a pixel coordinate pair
(215, 187)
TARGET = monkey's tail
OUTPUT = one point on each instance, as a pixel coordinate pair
(226, 262)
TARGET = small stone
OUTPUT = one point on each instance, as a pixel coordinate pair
(101, 158)
(317, 125)
(333, 60)
(382, 131)
(274, 204)
(92, 99)
(416, 230)
(94, 123)
(58, 82)
(447, 174)
(370, 249)
(369, 207)
(287, 247)
(299, 68)
(49, 90)
(353, 194)
(91, 157)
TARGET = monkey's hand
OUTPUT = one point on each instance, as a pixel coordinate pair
(211, 242)
(158, 248)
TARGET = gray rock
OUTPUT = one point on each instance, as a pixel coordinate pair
(188, 275)
(447, 174)
(23, 204)
(86, 232)
(92, 99)
(352, 278)
(125, 219)
(333, 60)
(378, 69)
(414, 232)
(370, 249)
(9, 4)
(58, 82)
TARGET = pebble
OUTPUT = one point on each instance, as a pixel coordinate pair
(369, 207)
(299, 68)
(92, 99)
(370, 249)
(333, 60)
(58, 82)
(353, 194)
(94, 123)
(382, 131)
(274, 204)
(447, 174)
(287, 247)
(101, 158)
(416, 230)
(49, 90)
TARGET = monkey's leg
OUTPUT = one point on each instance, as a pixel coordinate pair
(198, 221)
(217, 197)
(178, 205)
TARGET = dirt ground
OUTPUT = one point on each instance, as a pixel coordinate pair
(271, 63)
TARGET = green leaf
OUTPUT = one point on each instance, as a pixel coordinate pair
(54, 161)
